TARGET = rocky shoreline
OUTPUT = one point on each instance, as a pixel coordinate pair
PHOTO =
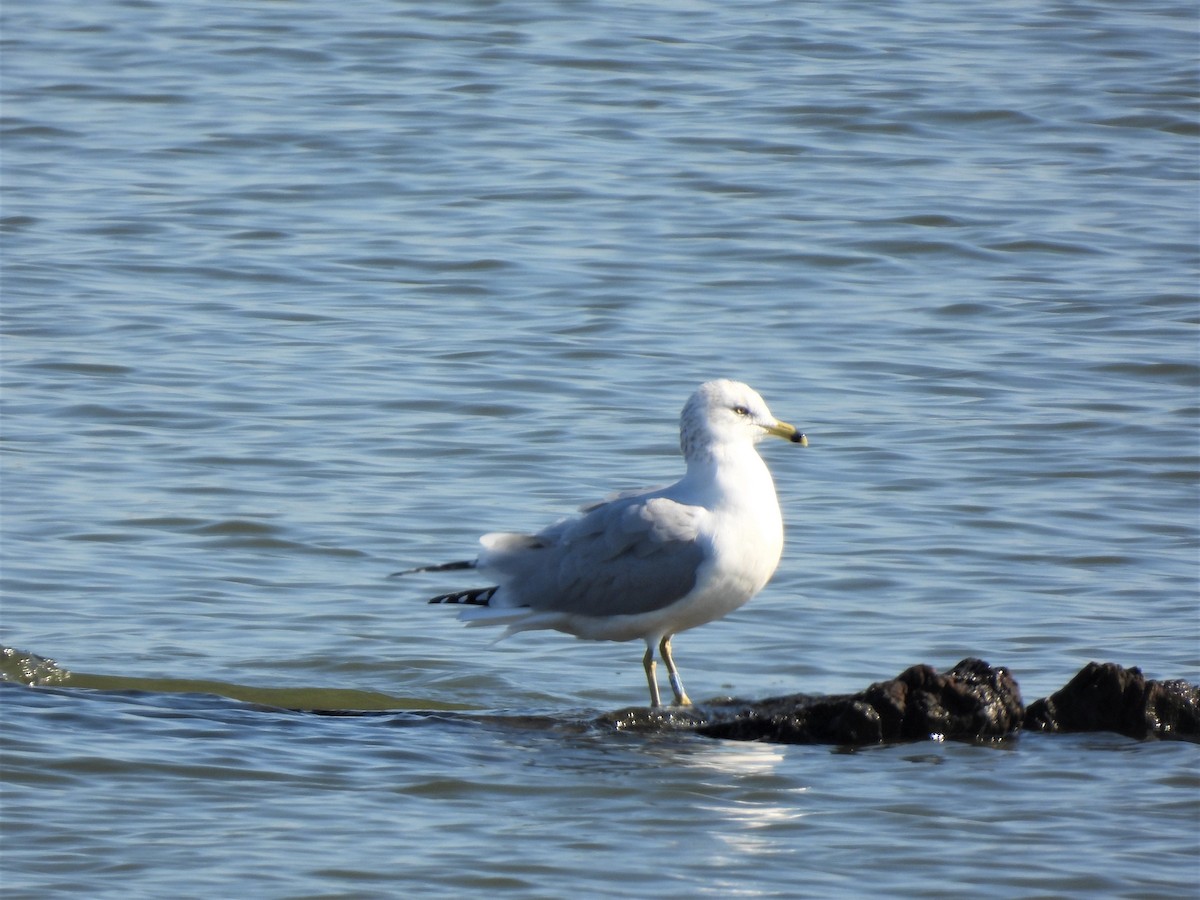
(973, 701)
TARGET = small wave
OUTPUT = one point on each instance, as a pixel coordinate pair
(32, 670)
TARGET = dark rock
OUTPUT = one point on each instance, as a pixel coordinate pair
(972, 701)
(1108, 697)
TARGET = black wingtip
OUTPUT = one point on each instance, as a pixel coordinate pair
(470, 597)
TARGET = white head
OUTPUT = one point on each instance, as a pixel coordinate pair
(727, 412)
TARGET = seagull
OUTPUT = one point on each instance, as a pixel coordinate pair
(647, 564)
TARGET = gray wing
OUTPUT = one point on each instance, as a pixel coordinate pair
(621, 495)
(628, 556)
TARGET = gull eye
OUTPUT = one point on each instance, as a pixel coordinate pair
(741, 410)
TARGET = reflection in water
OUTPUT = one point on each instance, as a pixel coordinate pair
(743, 820)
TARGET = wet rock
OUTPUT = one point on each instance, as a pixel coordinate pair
(1108, 697)
(972, 701)
(22, 667)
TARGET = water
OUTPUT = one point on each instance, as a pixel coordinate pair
(296, 296)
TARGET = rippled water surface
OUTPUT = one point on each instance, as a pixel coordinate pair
(296, 295)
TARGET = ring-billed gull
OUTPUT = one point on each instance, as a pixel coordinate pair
(648, 564)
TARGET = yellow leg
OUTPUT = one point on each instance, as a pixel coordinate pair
(649, 665)
(681, 698)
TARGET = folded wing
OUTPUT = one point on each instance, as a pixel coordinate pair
(627, 556)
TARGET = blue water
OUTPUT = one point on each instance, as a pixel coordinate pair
(296, 295)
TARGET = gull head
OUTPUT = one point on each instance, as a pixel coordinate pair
(727, 412)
